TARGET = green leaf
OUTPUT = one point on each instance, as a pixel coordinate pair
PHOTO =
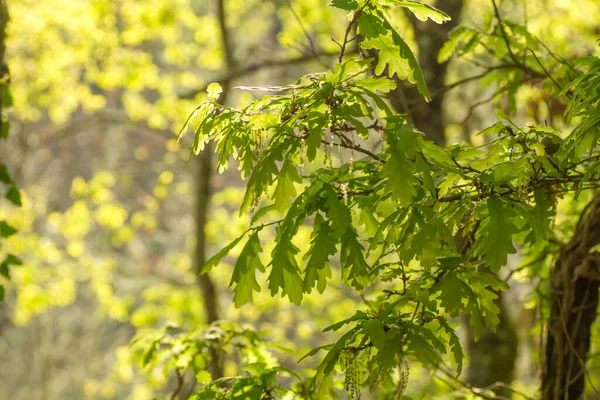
(1, 293)
(439, 157)
(472, 308)
(316, 126)
(454, 345)
(416, 74)
(498, 232)
(370, 26)
(421, 10)
(400, 176)
(285, 189)
(451, 294)
(330, 360)
(487, 299)
(394, 53)
(4, 128)
(373, 83)
(360, 315)
(503, 173)
(424, 345)
(542, 213)
(323, 245)
(355, 269)
(346, 70)
(149, 353)
(14, 196)
(492, 130)
(216, 259)
(203, 377)
(390, 355)
(458, 37)
(388, 57)
(336, 211)
(488, 280)
(6, 230)
(4, 176)
(262, 175)
(348, 5)
(4, 271)
(244, 272)
(204, 129)
(11, 259)
(284, 270)
(314, 351)
(6, 96)
(374, 329)
(502, 116)
(214, 90)
(422, 167)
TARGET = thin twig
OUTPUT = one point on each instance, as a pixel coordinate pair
(354, 20)
(311, 43)
(179, 384)
(355, 147)
(546, 72)
(242, 71)
(504, 35)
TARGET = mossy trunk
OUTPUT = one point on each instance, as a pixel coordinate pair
(575, 283)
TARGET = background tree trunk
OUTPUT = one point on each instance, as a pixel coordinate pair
(575, 282)
(207, 287)
(4, 318)
(203, 196)
(493, 358)
(430, 37)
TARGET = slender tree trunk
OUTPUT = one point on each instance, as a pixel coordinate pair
(204, 163)
(205, 283)
(4, 319)
(575, 283)
(492, 359)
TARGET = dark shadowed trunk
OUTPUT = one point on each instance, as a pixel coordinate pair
(575, 282)
(207, 286)
(429, 117)
(493, 357)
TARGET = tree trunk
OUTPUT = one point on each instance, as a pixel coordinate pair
(203, 196)
(575, 282)
(492, 359)
(430, 37)
(4, 318)
(205, 283)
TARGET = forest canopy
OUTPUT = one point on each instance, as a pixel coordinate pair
(294, 199)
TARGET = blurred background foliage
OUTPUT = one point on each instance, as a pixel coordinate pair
(107, 229)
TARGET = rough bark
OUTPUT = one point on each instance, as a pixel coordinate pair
(575, 283)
